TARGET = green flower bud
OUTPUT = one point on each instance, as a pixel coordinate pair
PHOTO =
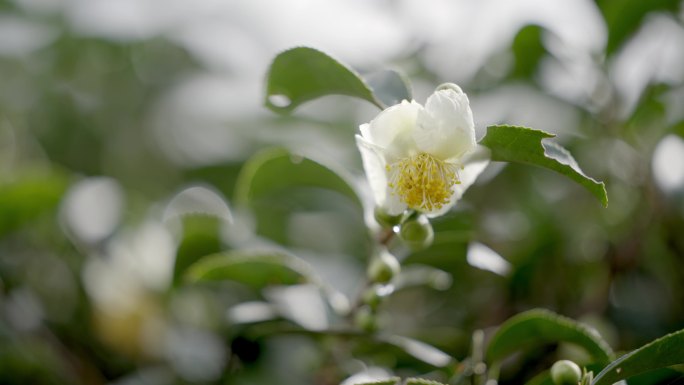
(365, 319)
(384, 219)
(565, 372)
(383, 267)
(417, 232)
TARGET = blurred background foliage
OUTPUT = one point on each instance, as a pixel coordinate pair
(128, 134)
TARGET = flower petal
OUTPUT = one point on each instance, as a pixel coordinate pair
(392, 129)
(473, 164)
(445, 126)
(375, 167)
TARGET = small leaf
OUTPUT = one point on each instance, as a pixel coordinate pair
(421, 381)
(302, 74)
(537, 327)
(254, 269)
(390, 87)
(524, 145)
(389, 381)
(663, 352)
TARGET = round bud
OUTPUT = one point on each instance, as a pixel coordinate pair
(384, 219)
(365, 320)
(383, 267)
(565, 372)
(417, 233)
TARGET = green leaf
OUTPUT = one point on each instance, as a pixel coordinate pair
(543, 378)
(33, 194)
(421, 381)
(272, 171)
(663, 352)
(537, 327)
(390, 87)
(524, 145)
(302, 74)
(389, 381)
(254, 269)
(420, 350)
(278, 186)
(200, 237)
(624, 17)
(528, 50)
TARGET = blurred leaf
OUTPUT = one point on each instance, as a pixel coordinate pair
(421, 381)
(275, 170)
(678, 128)
(528, 50)
(277, 186)
(420, 350)
(661, 353)
(33, 194)
(453, 231)
(543, 378)
(624, 17)
(537, 327)
(302, 74)
(200, 238)
(524, 145)
(254, 269)
(389, 381)
(390, 87)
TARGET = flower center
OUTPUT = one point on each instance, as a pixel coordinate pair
(422, 181)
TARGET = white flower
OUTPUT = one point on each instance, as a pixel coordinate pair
(422, 158)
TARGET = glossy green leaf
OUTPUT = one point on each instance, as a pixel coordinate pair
(302, 74)
(524, 145)
(537, 327)
(663, 352)
(254, 269)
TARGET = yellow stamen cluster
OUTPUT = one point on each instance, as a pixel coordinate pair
(423, 181)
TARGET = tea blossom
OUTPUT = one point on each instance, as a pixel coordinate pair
(422, 158)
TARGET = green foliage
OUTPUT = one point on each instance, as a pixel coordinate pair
(273, 171)
(538, 327)
(254, 269)
(389, 381)
(28, 197)
(302, 74)
(524, 145)
(528, 51)
(663, 352)
(625, 17)
(200, 238)
(421, 381)
(276, 184)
